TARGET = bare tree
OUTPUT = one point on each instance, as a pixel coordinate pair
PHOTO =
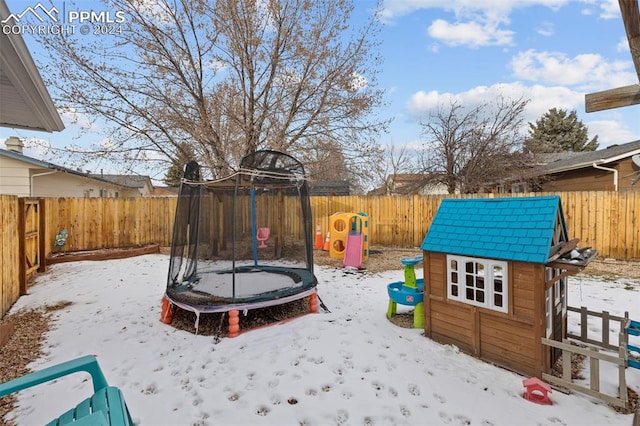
(472, 147)
(227, 77)
(397, 160)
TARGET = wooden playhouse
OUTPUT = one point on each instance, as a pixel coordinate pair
(495, 279)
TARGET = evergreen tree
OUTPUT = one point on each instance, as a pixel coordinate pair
(556, 131)
(176, 171)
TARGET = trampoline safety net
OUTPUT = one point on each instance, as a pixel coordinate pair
(243, 239)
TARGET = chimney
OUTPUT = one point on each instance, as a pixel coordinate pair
(14, 144)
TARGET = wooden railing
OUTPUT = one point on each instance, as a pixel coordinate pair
(605, 320)
(594, 356)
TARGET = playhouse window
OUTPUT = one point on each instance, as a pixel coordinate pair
(479, 282)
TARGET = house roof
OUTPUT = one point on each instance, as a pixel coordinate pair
(407, 183)
(516, 229)
(329, 187)
(586, 159)
(24, 100)
(166, 190)
(132, 181)
(46, 165)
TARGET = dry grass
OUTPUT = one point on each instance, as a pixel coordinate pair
(613, 268)
(24, 346)
(380, 259)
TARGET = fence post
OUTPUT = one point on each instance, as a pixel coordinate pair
(605, 328)
(584, 330)
(42, 243)
(622, 353)
(22, 264)
(594, 372)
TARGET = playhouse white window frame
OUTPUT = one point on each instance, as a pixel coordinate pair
(486, 285)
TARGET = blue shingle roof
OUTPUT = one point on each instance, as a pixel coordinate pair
(517, 229)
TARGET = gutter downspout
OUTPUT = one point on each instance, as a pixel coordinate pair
(36, 175)
(615, 174)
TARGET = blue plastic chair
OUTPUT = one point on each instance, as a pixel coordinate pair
(105, 407)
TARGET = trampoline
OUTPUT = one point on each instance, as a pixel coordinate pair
(243, 241)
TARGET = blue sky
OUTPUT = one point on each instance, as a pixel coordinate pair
(550, 51)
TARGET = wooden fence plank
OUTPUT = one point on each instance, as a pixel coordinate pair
(605, 222)
(608, 222)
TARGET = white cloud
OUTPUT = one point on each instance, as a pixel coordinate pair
(609, 132)
(157, 10)
(472, 34)
(587, 72)
(608, 125)
(475, 23)
(358, 81)
(610, 9)
(623, 45)
(587, 11)
(546, 29)
(541, 99)
(72, 116)
(463, 8)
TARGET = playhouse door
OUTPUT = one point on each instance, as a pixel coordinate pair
(556, 314)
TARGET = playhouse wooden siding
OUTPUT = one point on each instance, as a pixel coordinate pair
(510, 340)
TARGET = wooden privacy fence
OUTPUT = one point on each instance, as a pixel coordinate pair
(606, 221)
(9, 252)
(97, 223)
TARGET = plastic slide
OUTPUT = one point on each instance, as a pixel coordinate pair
(353, 250)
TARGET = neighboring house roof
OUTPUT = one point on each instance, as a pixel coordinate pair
(165, 190)
(544, 158)
(25, 102)
(329, 187)
(132, 181)
(46, 165)
(586, 159)
(407, 183)
(516, 229)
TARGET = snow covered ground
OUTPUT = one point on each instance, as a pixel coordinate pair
(350, 366)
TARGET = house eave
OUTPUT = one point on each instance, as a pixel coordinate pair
(589, 164)
(26, 103)
(50, 166)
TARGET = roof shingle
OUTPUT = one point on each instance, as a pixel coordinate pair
(518, 229)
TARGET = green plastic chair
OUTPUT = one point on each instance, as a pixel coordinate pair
(105, 407)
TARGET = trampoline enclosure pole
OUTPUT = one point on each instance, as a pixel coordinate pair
(254, 229)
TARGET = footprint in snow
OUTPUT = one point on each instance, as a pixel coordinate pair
(342, 417)
(441, 399)
(262, 411)
(462, 420)
(446, 419)
(414, 389)
(405, 411)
